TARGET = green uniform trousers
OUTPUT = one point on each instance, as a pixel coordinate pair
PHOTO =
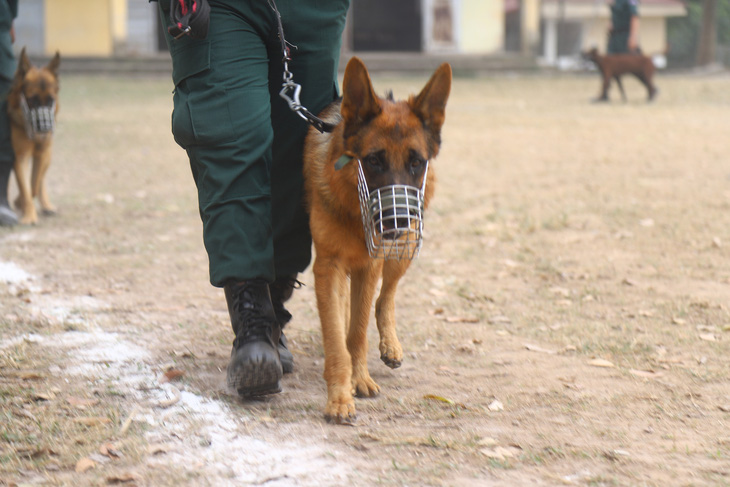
(243, 141)
(7, 157)
(8, 11)
(618, 43)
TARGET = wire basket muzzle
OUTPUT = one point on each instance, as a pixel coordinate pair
(39, 120)
(392, 218)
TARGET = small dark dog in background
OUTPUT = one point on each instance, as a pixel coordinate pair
(613, 66)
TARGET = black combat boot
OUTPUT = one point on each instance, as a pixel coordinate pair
(255, 367)
(281, 290)
(7, 216)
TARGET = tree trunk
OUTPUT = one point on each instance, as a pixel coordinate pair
(708, 34)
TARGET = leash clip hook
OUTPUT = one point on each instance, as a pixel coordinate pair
(182, 33)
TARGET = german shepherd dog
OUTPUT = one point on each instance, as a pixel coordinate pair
(392, 143)
(616, 65)
(32, 106)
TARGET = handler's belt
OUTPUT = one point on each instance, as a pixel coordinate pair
(189, 17)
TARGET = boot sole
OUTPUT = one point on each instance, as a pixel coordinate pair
(255, 379)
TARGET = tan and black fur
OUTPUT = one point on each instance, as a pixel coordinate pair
(40, 88)
(393, 140)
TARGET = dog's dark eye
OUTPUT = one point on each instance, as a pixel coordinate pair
(416, 163)
(375, 161)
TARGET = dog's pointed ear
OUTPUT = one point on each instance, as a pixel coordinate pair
(430, 104)
(359, 102)
(24, 64)
(54, 63)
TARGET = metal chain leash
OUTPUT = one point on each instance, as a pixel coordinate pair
(290, 90)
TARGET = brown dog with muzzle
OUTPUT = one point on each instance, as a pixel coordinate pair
(32, 106)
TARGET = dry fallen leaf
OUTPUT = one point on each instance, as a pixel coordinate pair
(496, 406)
(487, 442)
(159, 448)
(498, 453)
(647, 374)
(462, 319)
(166, 403)
(535, 348)
(438, 398)
(110, 450)
(92, 420)
(27, 414)
(599, 362)
(84, 464)
(708, 337)
(123, 478)
(614, 455)
(445, 400)
(80, 402)
(30, 376)
(725, 408)
(40, 453)
(44, 396)
(499, 319)
(172, 374)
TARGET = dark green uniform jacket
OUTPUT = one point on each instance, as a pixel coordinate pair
(621, 13)
(8, 11)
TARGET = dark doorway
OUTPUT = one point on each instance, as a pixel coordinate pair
(386, 25)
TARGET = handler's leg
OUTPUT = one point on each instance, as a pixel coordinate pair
(7, 157)
(222, 118)
(316, 30)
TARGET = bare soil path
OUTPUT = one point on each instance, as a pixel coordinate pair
(567, 322)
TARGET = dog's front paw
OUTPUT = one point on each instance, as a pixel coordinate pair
(29, 220)
(391, 354)
(365, 387)
(340, 411)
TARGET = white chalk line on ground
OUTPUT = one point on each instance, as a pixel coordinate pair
(201, 436)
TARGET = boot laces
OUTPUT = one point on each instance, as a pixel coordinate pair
(253, 317)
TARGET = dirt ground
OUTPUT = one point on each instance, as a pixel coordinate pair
(567, 321)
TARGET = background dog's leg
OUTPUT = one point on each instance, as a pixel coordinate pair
(24, 202)
(390, 350)
(363, 289)
(605, 83)
(41, 163)
(620, 87)
(329, 281)
(646, 81)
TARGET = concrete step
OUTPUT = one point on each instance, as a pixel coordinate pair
(377, 62)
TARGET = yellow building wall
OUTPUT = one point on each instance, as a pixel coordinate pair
(482, 26)
(79, 27)
(119, 20)
(652, 34)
